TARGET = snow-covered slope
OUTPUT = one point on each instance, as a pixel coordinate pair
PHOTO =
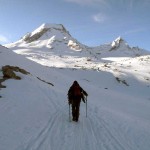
(34, 114)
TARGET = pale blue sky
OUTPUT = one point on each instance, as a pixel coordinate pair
(91, 22)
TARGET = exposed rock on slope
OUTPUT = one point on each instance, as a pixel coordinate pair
(9, 73)
(30, 38)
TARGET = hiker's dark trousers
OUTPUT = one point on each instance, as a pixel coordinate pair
(76, 107)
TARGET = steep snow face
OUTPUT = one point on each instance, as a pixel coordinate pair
(118, 43)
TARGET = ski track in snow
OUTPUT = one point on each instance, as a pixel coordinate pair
(59, 133)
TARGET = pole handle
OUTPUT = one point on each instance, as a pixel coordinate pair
(86, 106)
(69, 114)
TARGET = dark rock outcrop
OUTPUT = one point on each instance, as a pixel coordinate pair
(9, 72)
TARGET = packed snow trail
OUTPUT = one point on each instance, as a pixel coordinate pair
(60, 133)
(91, 133)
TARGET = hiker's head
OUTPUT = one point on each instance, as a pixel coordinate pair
(75, 83)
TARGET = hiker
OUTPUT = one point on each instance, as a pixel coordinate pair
(75, 94)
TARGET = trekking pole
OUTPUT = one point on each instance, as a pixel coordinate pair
(69, 114)
(86, 106)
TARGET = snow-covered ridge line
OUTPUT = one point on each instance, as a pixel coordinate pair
(40, 31)
(42, 37)
(49, 26)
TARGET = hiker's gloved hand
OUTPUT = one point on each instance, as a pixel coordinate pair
(69, 102)
(86, 94)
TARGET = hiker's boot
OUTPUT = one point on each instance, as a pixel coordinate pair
(74, 118)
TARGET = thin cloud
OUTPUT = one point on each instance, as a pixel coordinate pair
(100, 18)
(109, 4)
(3, 39)
(134, 4)
(87, 2)
(134, 31)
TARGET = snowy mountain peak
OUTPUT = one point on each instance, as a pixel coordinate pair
(119, 39)
(50, 36)
(42, 30)
(117, 42)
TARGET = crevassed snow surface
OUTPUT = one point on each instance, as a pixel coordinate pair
(35, 115)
